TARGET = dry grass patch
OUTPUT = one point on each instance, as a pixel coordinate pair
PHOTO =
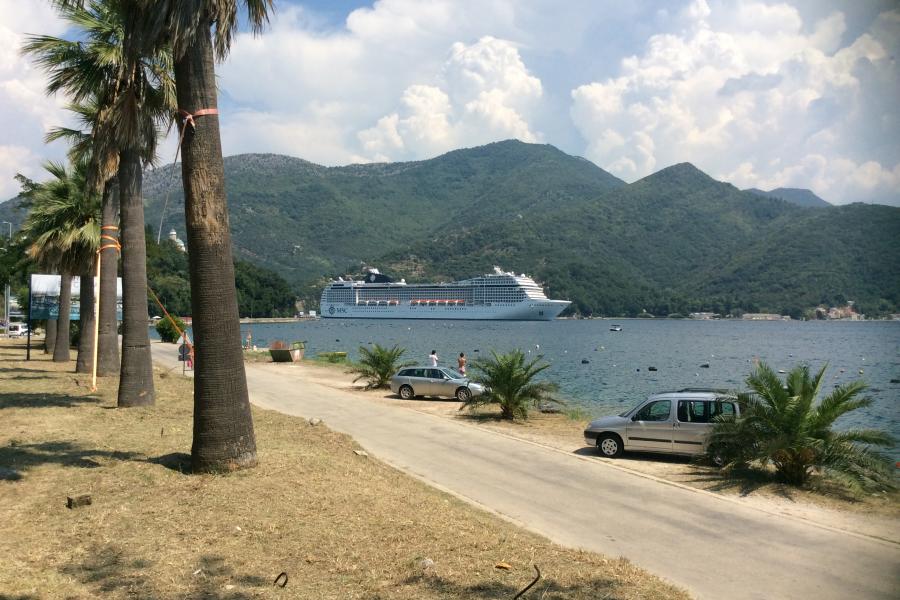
(340, 524)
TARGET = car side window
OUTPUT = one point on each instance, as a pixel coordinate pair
(655, 411)
(420, 373)
(725, 409)
(406, 373)
(435, 374)
(698, 411)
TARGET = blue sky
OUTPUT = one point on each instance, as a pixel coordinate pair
(755, 92)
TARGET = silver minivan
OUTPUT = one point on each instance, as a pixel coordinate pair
(410, 382)
(669, 422)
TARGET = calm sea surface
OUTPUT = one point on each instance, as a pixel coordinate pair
(617, 374)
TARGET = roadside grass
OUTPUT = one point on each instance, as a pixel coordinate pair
(341, 525)
(328, 359)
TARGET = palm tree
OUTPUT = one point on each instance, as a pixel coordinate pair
(509, 382)
(64, 227)
(135, 93)
(104, 162)
(782, 425)
(377, 365)
(223, 426)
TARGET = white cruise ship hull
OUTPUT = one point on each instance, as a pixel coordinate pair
(499, 297)
(538, 310)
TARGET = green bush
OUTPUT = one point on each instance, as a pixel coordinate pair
(508, 381)
(378, 364)
(167, 331)
(332, 357)
(782, 425)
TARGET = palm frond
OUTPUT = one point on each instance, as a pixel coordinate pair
(378, 364)
(781, 425)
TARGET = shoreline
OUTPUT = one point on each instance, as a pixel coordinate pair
(877, 517)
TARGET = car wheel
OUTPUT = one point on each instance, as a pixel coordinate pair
(610, 445)
(463, 394)
(406, 392)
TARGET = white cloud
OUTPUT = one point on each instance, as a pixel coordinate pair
(489, 95)
(743, 83)
(26, 113)
(757, 89)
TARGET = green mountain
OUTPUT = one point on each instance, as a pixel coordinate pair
(675, 241)
(13, 211)
(309, 222)
(679, 241)
(798, 196)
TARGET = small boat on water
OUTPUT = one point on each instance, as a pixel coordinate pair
(616, 328)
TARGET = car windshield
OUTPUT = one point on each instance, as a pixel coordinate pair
(631, 410)
(453, 373)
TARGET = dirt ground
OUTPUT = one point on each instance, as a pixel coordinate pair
(876, 515)
(336, 522)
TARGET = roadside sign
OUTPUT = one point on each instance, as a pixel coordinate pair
(183, 352)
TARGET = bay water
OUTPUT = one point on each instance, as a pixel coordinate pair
(604, 372)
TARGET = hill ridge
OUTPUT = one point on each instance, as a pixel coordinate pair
(677, 240)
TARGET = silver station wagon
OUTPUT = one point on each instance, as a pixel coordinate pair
(410, 382)
(670, 423)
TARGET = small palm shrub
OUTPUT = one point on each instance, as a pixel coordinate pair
(509, 382)
(167, 331)
(377, 365)
(782, 425)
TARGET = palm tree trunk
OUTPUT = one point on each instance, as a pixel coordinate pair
(136, 381)
(61, 349)
(85, 361)
(50, 337)
(108, 338)
(223, 425)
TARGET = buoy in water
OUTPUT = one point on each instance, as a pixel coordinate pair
(584, 361)
(651, 368)
(704, 366)
(895, 380)
(860, 371)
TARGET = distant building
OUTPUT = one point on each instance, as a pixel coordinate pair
(844, 313)
(173, 235)
(704, 316)
(765, 317)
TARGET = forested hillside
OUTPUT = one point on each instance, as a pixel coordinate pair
(261, 292)
(674, 242)
(794, 196)
(308, 221)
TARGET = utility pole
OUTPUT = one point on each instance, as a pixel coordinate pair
(6, 291)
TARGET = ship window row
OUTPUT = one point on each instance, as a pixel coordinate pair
(478, 295)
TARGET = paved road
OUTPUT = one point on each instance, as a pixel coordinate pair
(715, 547)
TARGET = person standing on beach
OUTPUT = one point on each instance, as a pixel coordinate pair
(461, 362)
(433, 357)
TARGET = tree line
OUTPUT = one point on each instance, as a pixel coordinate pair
(261, 292)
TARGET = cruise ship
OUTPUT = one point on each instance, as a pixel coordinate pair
(495, 296)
